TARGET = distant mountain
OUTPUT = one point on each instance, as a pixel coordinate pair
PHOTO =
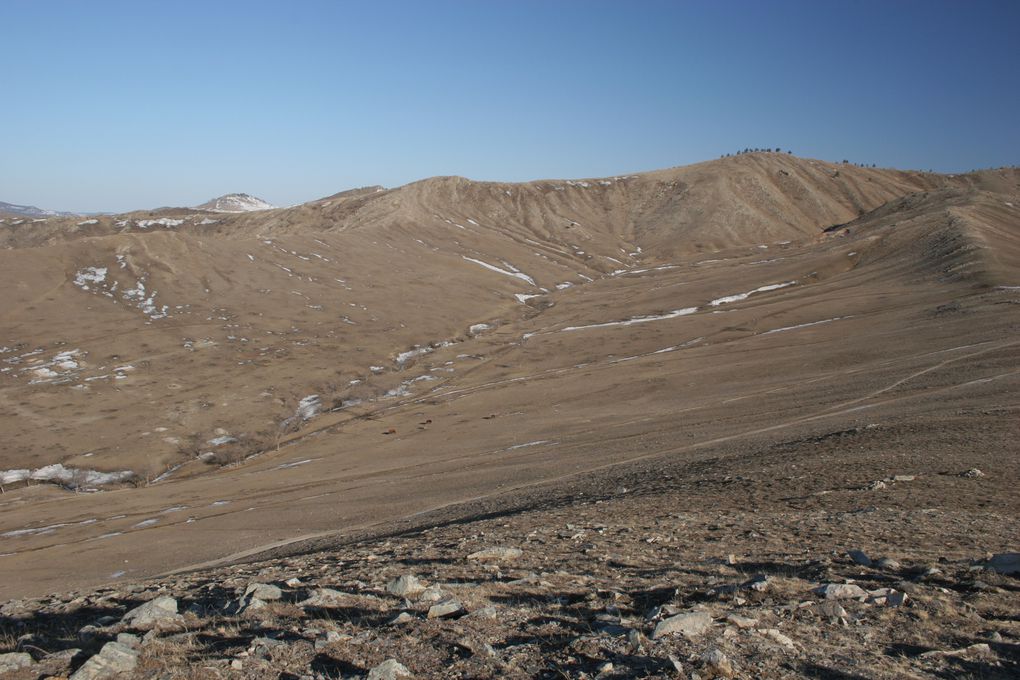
(30, 211)
(236, 203)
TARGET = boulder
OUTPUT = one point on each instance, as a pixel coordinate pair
(324, 598)
(160, 610)
(405, 586)
(841, 591)
(13, 661)
(263, 591)
(496, 554)
(448, 606)
(112, 660)
(390, 669)
(689, 625)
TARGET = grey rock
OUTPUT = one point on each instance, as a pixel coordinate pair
(262, 647)
(112, 660)
(840, 591)
(263, 591)
(14, 661)
(888, 597)
(832, 610)
(484, 613)
(689, 625)
(496, 554)
(741, 622)
(129, 640)
(448, 606)
(888, 564)
(1004, 563)
(390, 669)
(431, 594)
(324, 598)
(776, 636)
(717, 663)
(402, 617)
(160, 610)
(405, 586)
(859, 557)
(328, 638)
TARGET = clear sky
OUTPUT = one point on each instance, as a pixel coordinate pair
(120, 105)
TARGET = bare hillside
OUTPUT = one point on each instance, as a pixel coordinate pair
(763, 335)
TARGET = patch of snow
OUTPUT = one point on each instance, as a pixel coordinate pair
(161, 222)
(309, 407)
(743, 296)
(524, 446)
(89, 275)
(636, 320)
(515, 274)
(806, 325)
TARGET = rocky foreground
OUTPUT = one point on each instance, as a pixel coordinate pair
(674, 572)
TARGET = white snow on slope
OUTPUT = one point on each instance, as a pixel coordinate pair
(805, 325)
(636, 320)
(743, 296)
(515, 274)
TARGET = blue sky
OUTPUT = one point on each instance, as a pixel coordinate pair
(121, 105)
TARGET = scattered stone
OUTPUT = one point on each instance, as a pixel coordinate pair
(448, 606)
(262, 647)
(776, 636)
(160, 610)
(112, 660)
(13, 661)
(390, 669)
(902, 478)
(972, 473)
(327, 638)
(832, 610)
(1004, 563)
(263, 591)
(292, 582)
(859, 557)
(129, 640)
(324, 598)
(689, 625)
(402, 617)
(887, 597)
(717, 663)
(980, 649)
(431, 594)
(496, 554)
(741, 622)
(888, 564)
(840, 591)
(406, 586)
(489, 612)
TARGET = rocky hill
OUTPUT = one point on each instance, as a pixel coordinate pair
(629, 379)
